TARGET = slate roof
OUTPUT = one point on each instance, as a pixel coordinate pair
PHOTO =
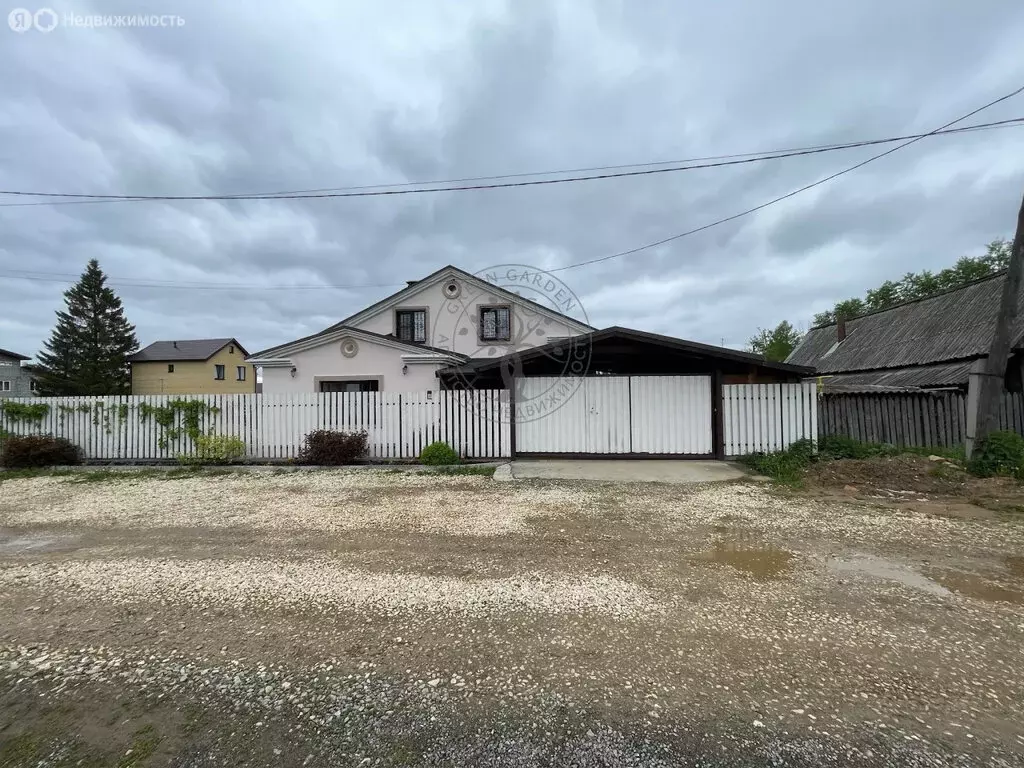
(186, 349)
(15, 355)
(951, 327)
(912, 377)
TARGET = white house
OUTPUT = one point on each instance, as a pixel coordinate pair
(399, 343)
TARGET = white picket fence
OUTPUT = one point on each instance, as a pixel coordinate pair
(768, 417)
(756, 417)
(398, 425)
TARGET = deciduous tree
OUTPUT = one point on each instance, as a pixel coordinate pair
(777, 343)
(920, 285)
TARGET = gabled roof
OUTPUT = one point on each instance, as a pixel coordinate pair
(450, 271)
(952, 326)
(476, 365)
(336, 333)
(15, 355)
(186, 349)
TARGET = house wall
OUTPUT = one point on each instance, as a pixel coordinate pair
(20, 379)
(372, 361)
(452, 323)
(194, 377)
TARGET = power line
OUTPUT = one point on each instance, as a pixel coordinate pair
(788, 194)
(914, 139)
(407, 189)
(1010, 123)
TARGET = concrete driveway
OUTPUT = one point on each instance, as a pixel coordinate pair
(679, 471)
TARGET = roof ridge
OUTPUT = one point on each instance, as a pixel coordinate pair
(954, 289)
(418, 284)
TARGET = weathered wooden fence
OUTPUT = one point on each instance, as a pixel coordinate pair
(920, 419)
(768, 417)
(157, 427)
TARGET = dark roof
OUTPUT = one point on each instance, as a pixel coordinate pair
(342, 328)
(954, 326)
(630, 334)
(900, 379)
(186, 349)
(15, 355)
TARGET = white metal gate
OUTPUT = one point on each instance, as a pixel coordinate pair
(668, 415)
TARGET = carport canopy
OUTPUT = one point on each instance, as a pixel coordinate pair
(618, 351)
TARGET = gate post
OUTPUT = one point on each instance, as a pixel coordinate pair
(512, 417)
(717, 417)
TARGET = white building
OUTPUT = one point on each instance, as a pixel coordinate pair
(399, 343)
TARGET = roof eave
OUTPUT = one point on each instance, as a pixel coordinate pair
(668, 341)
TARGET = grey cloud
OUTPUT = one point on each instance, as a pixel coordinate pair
(320, 94)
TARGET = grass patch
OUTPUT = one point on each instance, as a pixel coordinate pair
(461, 469)
(788, 466)
(782, 466)
(842, 447)
(29, 749)
(109, 475)
(143, 746)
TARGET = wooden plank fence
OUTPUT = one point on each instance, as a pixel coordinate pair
(399, 425)
(768, 417)
(909, 419)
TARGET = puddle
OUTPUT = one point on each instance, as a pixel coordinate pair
(889, 570)
(32, 542)
(762, 563)
(975, 586)
(941, 583)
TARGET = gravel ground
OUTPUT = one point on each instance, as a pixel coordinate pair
(361, 618)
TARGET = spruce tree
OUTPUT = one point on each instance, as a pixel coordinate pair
(88, 350)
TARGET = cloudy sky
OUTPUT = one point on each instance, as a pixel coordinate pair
(261, 96)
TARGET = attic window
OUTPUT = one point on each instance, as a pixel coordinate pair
(495, 324)
(411, 325)
(231, 349)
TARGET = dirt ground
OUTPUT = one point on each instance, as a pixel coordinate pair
(928, 485)
(363, 618)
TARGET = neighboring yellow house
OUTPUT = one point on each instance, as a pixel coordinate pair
(192, 367)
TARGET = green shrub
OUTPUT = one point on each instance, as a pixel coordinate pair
(215, 449)
(1001, 453)
(803, 450)
(439, 453)
(328, 448)
(38, 451)
(843, 447)
(783, 466)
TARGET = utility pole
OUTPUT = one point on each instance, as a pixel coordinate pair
(990, 381)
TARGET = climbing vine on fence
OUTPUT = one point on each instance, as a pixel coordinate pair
(166, 417)
(25, 413)
(176, 419)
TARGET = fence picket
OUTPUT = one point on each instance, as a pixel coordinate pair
(910, 419)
